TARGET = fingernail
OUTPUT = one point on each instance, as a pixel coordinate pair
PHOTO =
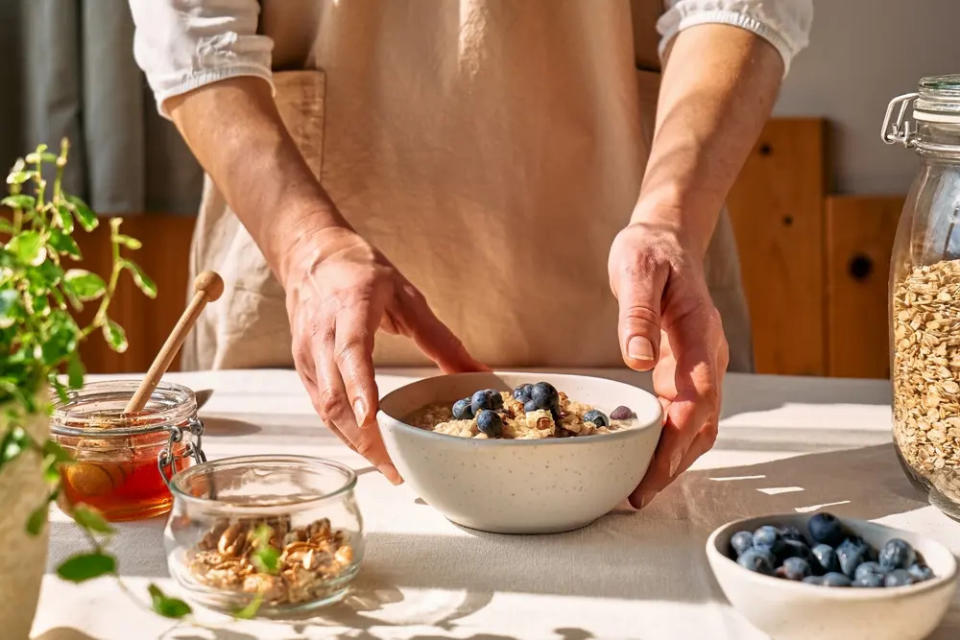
(390, 473)
(639, 348)
(675, 461)
(359, 411)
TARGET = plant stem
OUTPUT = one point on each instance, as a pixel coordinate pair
(100, 317)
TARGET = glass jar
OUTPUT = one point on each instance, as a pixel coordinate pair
(283, 530)
(121, 460)
(925, 292)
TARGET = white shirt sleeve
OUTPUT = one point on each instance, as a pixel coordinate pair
(783, 23)
(185, 44)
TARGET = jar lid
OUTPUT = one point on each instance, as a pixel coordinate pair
(97, 410)
(936, 101)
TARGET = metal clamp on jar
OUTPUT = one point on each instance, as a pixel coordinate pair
(121, 461)
(925, 292)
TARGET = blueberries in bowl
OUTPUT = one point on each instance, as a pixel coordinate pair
(490, 423)
(523, 393)
(489, 399)
(545, 396)
(462, 409)
(847, 560)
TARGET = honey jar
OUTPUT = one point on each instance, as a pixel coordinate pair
(121, 462)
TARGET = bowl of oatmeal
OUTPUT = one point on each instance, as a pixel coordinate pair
(521, 452)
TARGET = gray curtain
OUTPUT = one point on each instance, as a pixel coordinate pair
(69, 71)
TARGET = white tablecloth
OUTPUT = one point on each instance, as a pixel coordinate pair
(786, 444)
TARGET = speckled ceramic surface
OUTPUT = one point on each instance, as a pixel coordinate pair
(795, 611)
(521, 486)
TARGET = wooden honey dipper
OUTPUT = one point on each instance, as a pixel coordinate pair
(208, 286)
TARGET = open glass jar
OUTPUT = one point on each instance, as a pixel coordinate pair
(284, 530)
(925, 292)
(121, 459)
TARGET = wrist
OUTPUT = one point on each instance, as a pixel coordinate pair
(301, 237)
(691, 227)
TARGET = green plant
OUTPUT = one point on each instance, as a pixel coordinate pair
(39, 334)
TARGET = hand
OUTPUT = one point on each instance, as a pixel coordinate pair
(668, 323)
(339, 291)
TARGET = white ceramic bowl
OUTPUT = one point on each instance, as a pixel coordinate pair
(521, 486)
(793, 610)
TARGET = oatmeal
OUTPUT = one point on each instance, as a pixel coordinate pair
(529, 412)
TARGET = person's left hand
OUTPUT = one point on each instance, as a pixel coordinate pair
(668, 323)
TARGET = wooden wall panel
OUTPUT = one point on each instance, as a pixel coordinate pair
(859, 236)
(164, 256)
(777, 212)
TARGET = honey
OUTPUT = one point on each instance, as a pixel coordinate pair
(117, 459)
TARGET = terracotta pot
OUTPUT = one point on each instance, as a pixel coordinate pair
(23, 557)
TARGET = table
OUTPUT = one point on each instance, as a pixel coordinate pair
(786, 444)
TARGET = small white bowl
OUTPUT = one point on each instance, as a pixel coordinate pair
(794, 610)
(521, 486)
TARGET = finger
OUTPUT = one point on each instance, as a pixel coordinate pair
(307, 377)
(639, 291)
(702, 443)
(431, 336)
(335, 404)
(355, 330)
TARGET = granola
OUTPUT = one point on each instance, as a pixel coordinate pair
(307, 559)
(926, 369)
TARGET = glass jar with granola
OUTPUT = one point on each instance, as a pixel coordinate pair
(925, 292)
(269, 535)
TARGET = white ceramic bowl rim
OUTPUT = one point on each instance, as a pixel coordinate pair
(642, 425)
(856, 593)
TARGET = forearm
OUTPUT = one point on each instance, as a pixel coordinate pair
(235, 131)
(718, 88)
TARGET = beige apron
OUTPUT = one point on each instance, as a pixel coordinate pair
(491, 149)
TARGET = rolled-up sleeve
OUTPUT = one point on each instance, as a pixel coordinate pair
(783, 23)
(185, 44)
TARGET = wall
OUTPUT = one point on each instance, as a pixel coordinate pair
(861, 54)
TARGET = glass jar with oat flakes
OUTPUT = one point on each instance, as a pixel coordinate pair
(925, 292)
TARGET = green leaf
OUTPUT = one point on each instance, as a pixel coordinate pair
(14, 442)
(85, 216)
(251, 609)
(63, 243)
(128, 241)
(59, 387)
(115, 336)
(48, 157)
(265, 559)
(61, 340)
(58, 453)
(85, 566)
(165, 605)
(18, 173)
(142, 280)
(38, 518)
(19, 201)
(75, 371)
(84, 284)
(28, 248)
(64, 218)
(9, 306)
(91, 519)
(5, 226)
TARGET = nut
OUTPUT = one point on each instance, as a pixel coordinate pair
(233, 540)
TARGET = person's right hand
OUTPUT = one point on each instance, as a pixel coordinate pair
(339, 291)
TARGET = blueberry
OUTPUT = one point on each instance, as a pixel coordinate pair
(768, 537)
(531, 405)
(920, 572)
(795, 549)
(870, 580)
(851, 553)
(741, 541)
(898, 578)
(545, 395)
(817, 580)
(825, 559)
(621, 413)
(791, 533)
(596, 418)
(759, 560)
(897, 554)
(486, 399)
(522, 393)
(794, 569)
(868, 568)
(825, 528)
(834, 579)
(462, 410)
(489, 422)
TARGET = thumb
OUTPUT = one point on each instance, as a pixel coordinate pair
(639, 293)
